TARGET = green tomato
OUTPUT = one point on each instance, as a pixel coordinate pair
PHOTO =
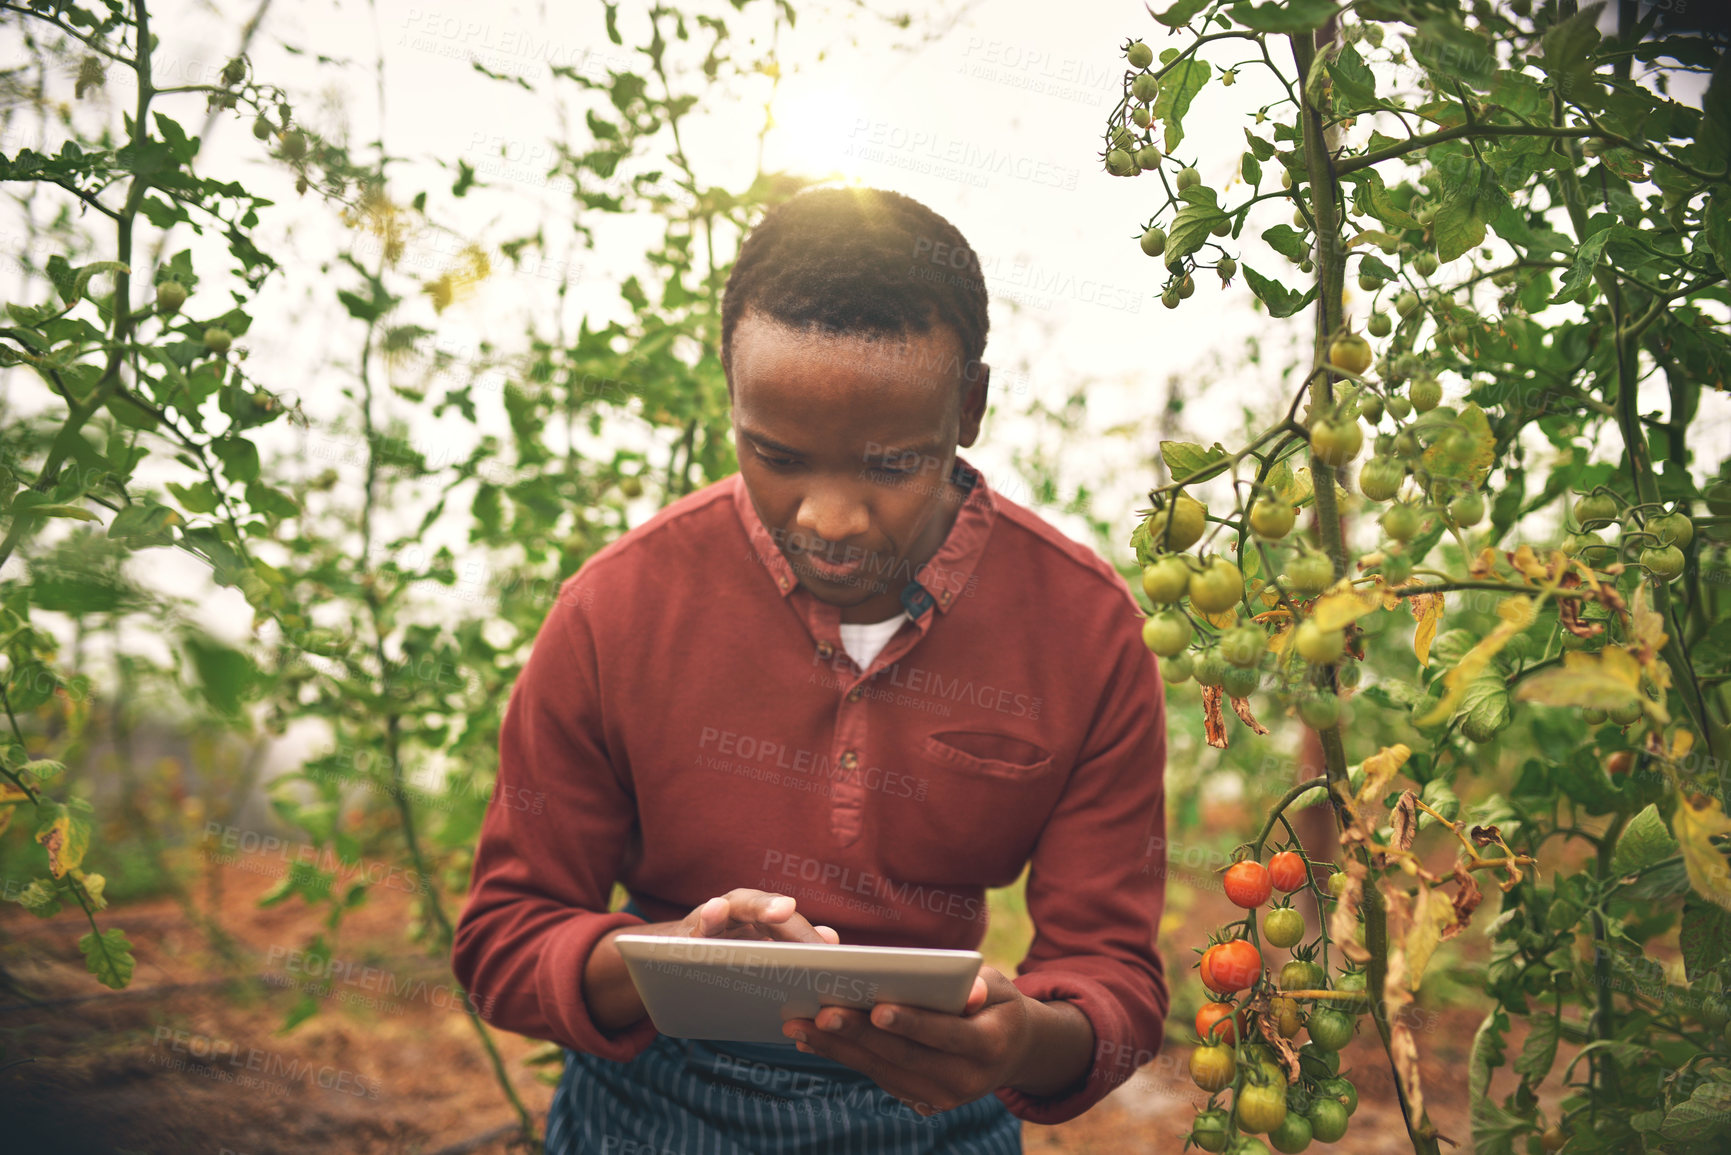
(1425, 394)
(1467, 510)
(1145, 88)
(1188, 178)
(1154, 241)
(1352, 981)
(1379, 325)
(1318, 646)
(1595, 508)
(1330, 1029)
(1310, 573)
(1424, 264)
(1283, 927)
(1177, 670)
(1301, 975)
(1327, 1121)
(1341, 1091)
(1166, 579)
(1381, 477)
(1167, 633)
(1271, 518)
(1293, 1134)
(1243, 645)
(1210, 668)
(1261, 1107)
(1626, 714)
(1139, 54)
(1401, 522)
(1673, 529)
(1217, 588)
(1239, 682)
(1664, 562)
(1209, 1131)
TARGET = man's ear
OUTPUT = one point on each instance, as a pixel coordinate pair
(974, 405)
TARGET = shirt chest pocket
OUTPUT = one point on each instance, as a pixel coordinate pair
(986, 798)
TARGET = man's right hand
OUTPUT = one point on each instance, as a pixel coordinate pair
(612, 997)
(756, 914)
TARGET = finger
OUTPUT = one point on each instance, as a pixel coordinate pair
(829, 934)
(976, 996)
(905, 1069)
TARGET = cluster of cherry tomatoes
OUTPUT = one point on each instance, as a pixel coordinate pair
(1246, 1006)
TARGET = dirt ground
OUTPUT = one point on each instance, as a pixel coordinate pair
(190, 1059)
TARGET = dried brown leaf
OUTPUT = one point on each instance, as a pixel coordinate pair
(1213, 718)
(1405, 820)
(1241, 707)
(1467, 899)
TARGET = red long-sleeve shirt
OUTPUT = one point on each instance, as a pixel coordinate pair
(688, 722)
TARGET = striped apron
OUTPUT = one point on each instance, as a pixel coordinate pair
(706, 1097)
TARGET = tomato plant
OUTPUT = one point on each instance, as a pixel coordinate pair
(1521, 607)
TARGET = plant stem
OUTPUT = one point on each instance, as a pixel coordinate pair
(1331, 278)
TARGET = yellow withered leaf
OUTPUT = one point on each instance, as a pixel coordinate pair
(1694, 829)
(1517, 613)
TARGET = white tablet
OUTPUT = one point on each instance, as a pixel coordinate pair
(742, 990)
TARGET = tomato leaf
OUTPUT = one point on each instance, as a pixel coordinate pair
(1191, 228)
(1185, 459)
(1288, 242)
(1177, 89)
(1289, 16)
(1645, 841)
(108, 956)
(1608, 680)
(1428, 609)
(1517, 613)
(1182, 12)
(1280, 300)
(65, 834)
(1695, 829)
(1580, 274)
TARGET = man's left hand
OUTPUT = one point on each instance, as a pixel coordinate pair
(929, 1060)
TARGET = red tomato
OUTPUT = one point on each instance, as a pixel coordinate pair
(1213, 1014)
(1247, 884)
(1229, 967)
(1288, 871)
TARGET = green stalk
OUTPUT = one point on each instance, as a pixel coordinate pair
(1331, 279)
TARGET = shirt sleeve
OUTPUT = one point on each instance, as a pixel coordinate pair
(1096, 889)
(551, 844)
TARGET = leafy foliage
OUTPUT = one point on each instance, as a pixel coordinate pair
(1538, 228)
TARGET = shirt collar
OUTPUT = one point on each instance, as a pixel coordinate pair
(947, 576)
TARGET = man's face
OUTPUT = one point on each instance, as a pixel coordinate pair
(845, 444)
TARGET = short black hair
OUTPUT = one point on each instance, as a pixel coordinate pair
(846, 260)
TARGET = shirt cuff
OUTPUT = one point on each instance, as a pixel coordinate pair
(559, 980)
(1113, 1051)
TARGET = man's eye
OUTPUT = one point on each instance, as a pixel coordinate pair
(776, 462)
(894, 471)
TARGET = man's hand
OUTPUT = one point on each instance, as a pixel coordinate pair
(933, 1061)
(754, 914)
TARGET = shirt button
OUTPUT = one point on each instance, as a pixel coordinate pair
(855, 694)
(849, 760)
(824, 649)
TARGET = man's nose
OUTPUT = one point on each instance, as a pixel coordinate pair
(829, 514)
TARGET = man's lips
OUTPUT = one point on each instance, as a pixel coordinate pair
(829, 570)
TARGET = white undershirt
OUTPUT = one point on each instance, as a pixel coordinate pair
(864, 641)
